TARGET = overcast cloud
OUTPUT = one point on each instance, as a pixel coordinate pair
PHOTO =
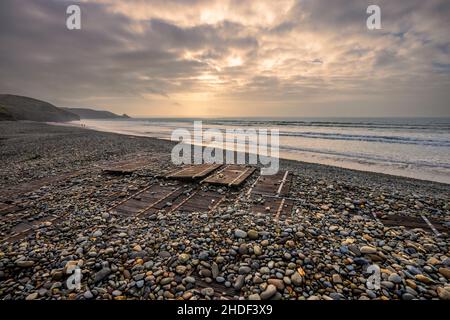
(231, 58)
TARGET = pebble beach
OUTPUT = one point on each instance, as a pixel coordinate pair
(322, 251)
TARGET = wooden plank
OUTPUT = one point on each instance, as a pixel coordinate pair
(23, 188)
(126, 167)
(202, 201)
(170, 199)
(24, 228)
(7, 209)
(145, 199)
(21, 227)
(134, 207)
(414, 222)
(430, 225)
(158, 201)
(220, 290)
(231, 176)
(193, 172)
(284, 187)
(181, 203)
(273, 185)
(124, 211)
(279, 208)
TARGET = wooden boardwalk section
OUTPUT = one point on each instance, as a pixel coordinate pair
(422, 222)
(168, 198)
(273, 191)
(231, 176)
(220, 290)
(148, 200)
(26, 187)
(278, 208)
(201, 201)
(126, 167)
(193, 172)
(274, 185)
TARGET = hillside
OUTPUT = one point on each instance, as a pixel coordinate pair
(14, 107)
(85, 113)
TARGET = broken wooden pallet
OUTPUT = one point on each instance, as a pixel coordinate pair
(24, 228)
(220, 290)
(7, 194)
(126, 167)
(422, 222)
(279, 208)
(272, 185)
(231, 176)
(145, 200)
(168, 198)
(6, 209)
(194, 172)
(201, 201)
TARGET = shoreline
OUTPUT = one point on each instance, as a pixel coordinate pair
(57, 210)
(285, 160)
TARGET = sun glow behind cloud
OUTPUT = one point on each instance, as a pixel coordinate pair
(231, 58)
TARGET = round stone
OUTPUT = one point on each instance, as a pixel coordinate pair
(395, 278)
(367, 250)
(32, 296)
(253, 234)
(88, 295)
(97, 234)
(238, 233)
(269, 292)
(443, 293)
(183, 258)
(165, 281)
(407, 296)
(207, 292)
(264, 270)
(239, 282)
(203, 255)
(24, 263)
(337, 278)
(244, 270)
(243, 249)
(116, 293)
(189, 279)
(296, 279)
(105, 215)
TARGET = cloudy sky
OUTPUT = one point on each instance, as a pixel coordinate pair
(281, 58)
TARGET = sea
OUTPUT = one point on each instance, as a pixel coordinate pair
(410, 147)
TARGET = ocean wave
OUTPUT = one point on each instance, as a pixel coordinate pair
(371, 158)
(432, 126)
(369, 138)
(338, 136)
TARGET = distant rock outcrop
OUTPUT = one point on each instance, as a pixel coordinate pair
(85, 113)
(14, 107)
